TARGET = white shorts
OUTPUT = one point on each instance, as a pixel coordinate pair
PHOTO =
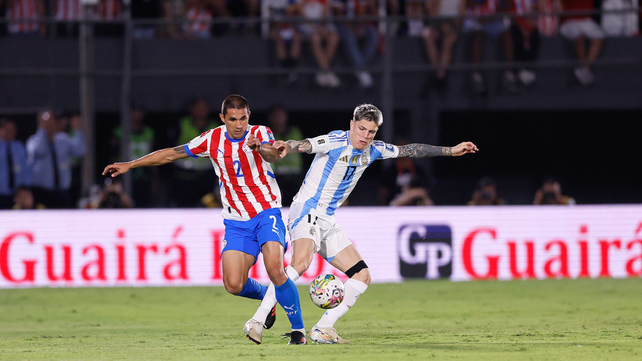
(329, 238)
(573, 29)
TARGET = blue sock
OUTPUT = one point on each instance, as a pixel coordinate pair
(253, 290)
(288, 297)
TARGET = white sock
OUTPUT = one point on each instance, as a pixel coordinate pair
(354, 289)
(269, 300)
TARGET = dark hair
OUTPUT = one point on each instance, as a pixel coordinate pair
(368, 112)
(234, 101)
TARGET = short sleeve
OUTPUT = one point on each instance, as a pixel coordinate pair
(320, 144)
(199, 146)
(264, 134)
(386, 150)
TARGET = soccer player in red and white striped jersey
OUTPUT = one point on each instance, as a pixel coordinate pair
(240, 154)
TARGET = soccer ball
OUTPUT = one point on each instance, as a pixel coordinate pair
(327, 291)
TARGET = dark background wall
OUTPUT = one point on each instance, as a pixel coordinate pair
(585, 136)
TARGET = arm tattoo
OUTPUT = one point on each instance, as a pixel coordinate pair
(270, 155)
(300, 146)
(423, 150)
(180, 149)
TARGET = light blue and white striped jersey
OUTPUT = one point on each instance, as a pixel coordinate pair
(336, 169)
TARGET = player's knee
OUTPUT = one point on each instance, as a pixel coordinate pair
(359, 272)
(233, 286)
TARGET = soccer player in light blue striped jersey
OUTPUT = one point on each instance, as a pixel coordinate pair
(341, 158)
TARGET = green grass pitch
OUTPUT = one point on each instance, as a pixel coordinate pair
(584, 319)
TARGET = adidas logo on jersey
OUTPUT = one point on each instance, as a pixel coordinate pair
(354, 160)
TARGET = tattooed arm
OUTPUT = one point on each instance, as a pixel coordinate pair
(299, 146)
(424, 150)
(158, 157)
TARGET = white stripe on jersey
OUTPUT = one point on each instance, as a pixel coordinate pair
(336, 169)
(247, 186)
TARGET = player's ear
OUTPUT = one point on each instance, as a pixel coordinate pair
(222, 117)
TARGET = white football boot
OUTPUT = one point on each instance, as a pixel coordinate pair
(254, 331)
(326, 335)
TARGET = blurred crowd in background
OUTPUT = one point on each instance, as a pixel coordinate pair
(353, 24)
(46, 171)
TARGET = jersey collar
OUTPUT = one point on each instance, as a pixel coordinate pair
(236, 140)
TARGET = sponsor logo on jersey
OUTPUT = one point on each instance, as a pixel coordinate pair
(389, 147)
(321, 141)
(425, 251)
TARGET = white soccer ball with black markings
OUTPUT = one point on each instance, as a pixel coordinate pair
(327, 291)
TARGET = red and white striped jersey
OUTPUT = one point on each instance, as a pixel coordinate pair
(22, 9)
(67, 10)
(247, 182)
(107, 10)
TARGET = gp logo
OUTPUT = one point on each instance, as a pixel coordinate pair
(425, 251)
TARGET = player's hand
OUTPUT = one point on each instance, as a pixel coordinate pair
(464, 148)
(282, 147)
(116, 169)
(253, 142)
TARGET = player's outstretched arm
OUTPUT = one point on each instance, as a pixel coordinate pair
(425, 150)
(158, 157)
(269, 152)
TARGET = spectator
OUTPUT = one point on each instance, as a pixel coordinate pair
(323, 39)
(285, 35)
(405, 183)
(551, 193)
(620, 24)
(14, 171)
(19, 10)
(579, 28)
(145, 10)
(443, 28)
(141, 142)
(65, 119)
(49, 155)
(113, 196)
(174, 11)
(353, 32)
(199, 17)
(493, 26)
(67, 13)
(289, 170)
(193, 178)
(526, 35)
(486, 194)
(415, 11)
(108, 11)
(24, 199)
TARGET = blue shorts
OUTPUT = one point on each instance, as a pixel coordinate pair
(249, 236)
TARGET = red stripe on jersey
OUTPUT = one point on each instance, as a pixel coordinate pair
(200, 148)
(216, 140)
(229, 169)
(249, 181)
(259, 166)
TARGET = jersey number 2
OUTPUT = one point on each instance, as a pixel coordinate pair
(237, 165)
